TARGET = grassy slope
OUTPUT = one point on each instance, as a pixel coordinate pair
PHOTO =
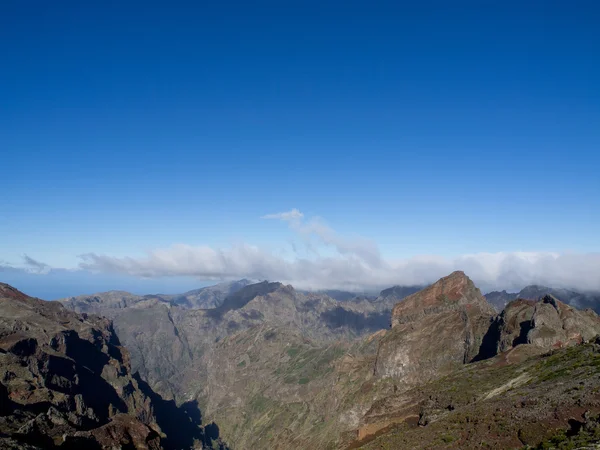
(280, 390)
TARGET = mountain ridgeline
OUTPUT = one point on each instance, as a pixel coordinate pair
(278, 368)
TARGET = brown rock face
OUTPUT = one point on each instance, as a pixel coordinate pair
(451, 292)
(434, 330)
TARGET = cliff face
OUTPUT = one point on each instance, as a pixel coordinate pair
(434, 330)
(66, 382)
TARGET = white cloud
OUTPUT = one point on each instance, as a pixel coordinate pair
(294, 214)
(355, 264)
(29, 265)
(362, 248)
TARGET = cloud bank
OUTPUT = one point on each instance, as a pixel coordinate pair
(353, 263)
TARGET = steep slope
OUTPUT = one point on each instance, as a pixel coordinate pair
(517, 400)
(270, 387)
(434, 331)
(66, 382)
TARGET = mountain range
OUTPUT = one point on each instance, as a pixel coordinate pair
(272, 367)
(581, 300)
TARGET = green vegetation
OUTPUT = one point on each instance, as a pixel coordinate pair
(293, 352)
(448, 438)
(308, 364)
(561, 440)
(567, 362)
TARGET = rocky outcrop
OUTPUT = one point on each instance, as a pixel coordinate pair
(555, 324)
(546, 324)
(513, 325)
(434, 330)
(66, 382)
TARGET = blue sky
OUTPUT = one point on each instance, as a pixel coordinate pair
(444, 129)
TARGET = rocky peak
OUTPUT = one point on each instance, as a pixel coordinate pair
(552, 300)
(556, 324)
(447, 293)
(434, 330)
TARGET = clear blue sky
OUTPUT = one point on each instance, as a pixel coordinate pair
(444, 128)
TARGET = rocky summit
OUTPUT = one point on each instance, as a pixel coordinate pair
(278, 368)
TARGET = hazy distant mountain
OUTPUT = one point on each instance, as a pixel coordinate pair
(398, 292)
(209, 296)
(580, 300)
(344, 296)
(110, 303)
(499, 299)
